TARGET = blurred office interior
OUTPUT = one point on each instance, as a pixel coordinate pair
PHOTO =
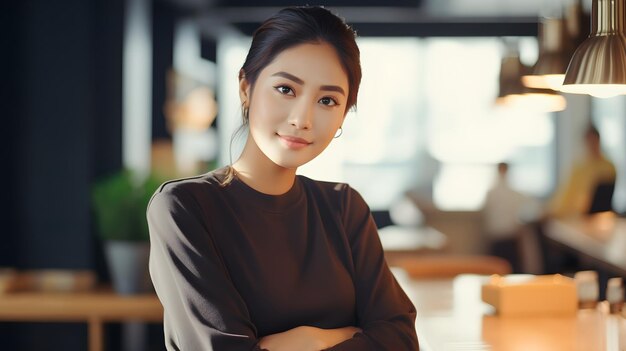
(93, 87)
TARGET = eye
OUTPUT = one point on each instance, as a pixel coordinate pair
(285, 90)
(328, 101)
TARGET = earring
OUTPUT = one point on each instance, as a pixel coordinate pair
(339, 131)
(245, 111)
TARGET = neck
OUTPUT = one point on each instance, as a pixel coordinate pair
(261, 173)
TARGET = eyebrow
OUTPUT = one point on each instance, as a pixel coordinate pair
(301, 82)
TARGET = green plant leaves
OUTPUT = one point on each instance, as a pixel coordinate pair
(119, 203)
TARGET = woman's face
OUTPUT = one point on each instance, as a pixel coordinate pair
(299, 103)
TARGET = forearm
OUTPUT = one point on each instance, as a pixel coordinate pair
(307, 338)
(395, 334)
(332, 337)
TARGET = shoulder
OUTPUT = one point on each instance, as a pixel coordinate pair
(338, 194)
(608, 164)
(324, 187)
(187, 189)
(598, 167)
(607, 173)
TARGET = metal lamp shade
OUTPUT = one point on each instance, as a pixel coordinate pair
(548, 72)
(598, 67)
(513, 93)
(511, 85)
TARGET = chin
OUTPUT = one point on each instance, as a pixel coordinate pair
(291, 162)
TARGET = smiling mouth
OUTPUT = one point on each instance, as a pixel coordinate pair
(294, 142)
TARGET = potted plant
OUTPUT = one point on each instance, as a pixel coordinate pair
(119, 202)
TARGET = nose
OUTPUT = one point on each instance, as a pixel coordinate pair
(302, 116)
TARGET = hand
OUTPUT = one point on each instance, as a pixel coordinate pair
(307, 338)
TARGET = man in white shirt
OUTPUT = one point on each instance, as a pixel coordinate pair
(502, 213)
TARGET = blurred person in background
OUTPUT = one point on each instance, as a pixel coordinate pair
(588, 186)
(505, 211)
(252, 256)
(574, 196)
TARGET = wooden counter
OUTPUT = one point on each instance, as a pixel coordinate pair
(452, 316)
(600, 237)
(94, 308)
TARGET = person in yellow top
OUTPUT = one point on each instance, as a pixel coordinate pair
(574, 196)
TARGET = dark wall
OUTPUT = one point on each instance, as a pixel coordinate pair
(61, 95)
(9, 117)
(64, 68)
(108, 35)
(55, 149)
(163, 20)
(62, 76)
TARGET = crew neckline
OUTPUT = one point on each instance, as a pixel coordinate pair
(268, 202)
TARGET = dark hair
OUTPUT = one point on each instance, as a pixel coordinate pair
(300, 25)
(592, 131)
(503, 167)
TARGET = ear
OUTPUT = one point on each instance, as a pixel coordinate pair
(244, 89)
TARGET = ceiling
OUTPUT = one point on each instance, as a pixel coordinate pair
(418, 18)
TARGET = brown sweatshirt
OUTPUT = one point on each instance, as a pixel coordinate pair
(231, 265)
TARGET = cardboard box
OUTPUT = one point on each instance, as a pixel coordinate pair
(545, 295)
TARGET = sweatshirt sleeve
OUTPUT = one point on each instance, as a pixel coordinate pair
(384, 312)
(202, 308)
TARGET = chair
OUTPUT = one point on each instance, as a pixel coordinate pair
(449, 266)
(602, 199)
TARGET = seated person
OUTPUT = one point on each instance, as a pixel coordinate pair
(587, 188)
(574, 195)
(502, 212)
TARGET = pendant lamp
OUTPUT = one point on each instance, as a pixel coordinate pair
(546, 100)
(511, 69)
(512, 93)
(598, 67)
(549, 70)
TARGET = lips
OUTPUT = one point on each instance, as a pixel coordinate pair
(294, 142)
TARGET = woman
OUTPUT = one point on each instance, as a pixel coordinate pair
(251, 256)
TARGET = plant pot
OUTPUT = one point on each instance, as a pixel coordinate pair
(128, 266)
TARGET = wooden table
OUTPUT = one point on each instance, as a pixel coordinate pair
(399, 242)
(451, 316)
(94, 308)
(600, 237)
